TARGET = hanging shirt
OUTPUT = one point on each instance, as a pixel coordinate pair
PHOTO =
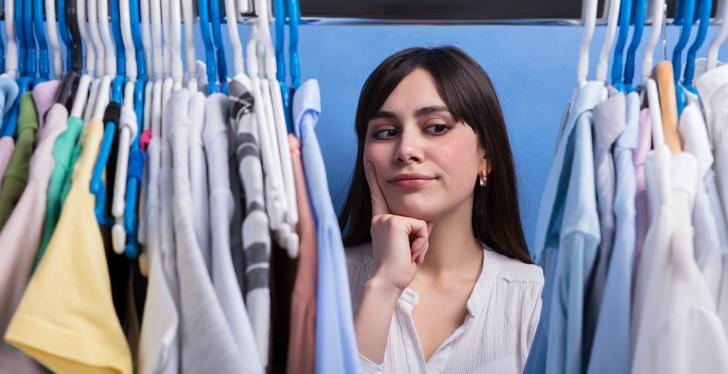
(707, 240)
(198, 176)
(159, 343)
(69, 298)
(336, 350)
(302, 340)
(44, 96)
(221, 205)
(16, 175)
(208, 341)
(677, 307)
(21, 236)
(610, 350)
(256, 236)
(713, 89)
(567, 237)
(63, 151)
(7, 147)
(642, 213)
(486, 342)
(609, 122)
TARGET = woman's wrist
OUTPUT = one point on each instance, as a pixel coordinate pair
(381, 286)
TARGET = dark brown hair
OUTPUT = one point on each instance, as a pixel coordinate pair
(470, 97)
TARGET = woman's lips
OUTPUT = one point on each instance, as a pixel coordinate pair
(410, 180)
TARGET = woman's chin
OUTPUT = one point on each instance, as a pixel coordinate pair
(416, 212)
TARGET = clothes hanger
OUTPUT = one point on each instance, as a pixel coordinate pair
(287, 232)
(705, 7)
(640, 12)
(77, 25)
(232, 27)
(54, 46)
(23, 24)
(122, 36)
(722, 17)
(665, 80)
(685, 19)
(602, 65)
(210, 62)
(156, 22)
(91, 22)
(189, 17)
(215, 18)
(11, 60)
(589, 17)
(625, 14)
(31, 55)
(175, 26)
(39, 31)
(65, 33)
(136, 158)
(280, 19)
(68, 25)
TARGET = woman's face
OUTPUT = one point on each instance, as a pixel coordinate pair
(426, 163)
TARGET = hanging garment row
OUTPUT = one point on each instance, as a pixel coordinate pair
(631, 232)
(157, 216)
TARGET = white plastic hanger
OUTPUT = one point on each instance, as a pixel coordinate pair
(274, 206)
(244, 6)
(189, 17)
(232, 26)
(657, 18)
(722, 17)
(589, 17)
(118, 204)
(93, 32)
(106, 40)
(175, 36)
(11, 45)
(53, 44)
(281, 135)
(79, 100)
(603, 65)
(159, 72)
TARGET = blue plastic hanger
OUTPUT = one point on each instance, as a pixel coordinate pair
(704, 13)
(44, 58)
(97, 186)
(216, 17)
(684, 17)
(280, 15)
(136, 156)
(209, 47)
(294, 19)
(625, 13)
(65, 34)
(118, 83)
(31, 56)
(640, 12)
(20, 35)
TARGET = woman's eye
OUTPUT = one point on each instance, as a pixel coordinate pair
(437, 129)
(384, 134)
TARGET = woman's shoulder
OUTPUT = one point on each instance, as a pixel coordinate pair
(512, 270)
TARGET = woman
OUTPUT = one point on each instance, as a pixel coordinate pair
(440, 275)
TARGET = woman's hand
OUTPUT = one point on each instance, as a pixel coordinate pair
(399, 243)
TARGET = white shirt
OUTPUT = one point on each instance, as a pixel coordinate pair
(680, 331)
(198, 176)
(502, 315)
(706, 220)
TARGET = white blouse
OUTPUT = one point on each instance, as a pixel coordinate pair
(503, 313)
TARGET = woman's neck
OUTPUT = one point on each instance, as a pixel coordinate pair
(453, 247)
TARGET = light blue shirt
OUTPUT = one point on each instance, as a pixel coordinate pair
(336, 350)
(611, 347)
(566, 244)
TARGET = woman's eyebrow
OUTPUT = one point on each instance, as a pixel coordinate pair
(384, 114)
(430, 109)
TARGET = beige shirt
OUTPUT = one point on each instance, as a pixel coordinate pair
(503, 312)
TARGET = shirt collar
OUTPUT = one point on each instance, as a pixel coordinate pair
(484, 285)
(306, 101)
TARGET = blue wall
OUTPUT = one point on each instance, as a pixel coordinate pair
(532, 67)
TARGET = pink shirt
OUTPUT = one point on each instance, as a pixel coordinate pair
(7, 146)
(21, 236)
(302, 340)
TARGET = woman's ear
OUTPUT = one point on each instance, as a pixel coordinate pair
(485, 165)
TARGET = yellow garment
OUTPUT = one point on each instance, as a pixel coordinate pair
(66, 319)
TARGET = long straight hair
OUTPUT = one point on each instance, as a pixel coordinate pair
(470, 97)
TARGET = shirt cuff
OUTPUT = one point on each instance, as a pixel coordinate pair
(367, 366)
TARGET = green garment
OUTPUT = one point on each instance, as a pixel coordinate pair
(65, 153)
(16, 175)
